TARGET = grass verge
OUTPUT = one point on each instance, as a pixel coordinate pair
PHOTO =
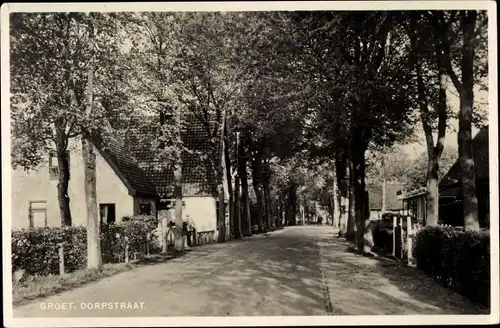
(35, 286)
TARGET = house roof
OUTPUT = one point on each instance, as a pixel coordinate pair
(480, 145)
(375, 196)
(125, 166)
(201, 153)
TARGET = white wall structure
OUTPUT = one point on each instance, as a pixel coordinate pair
(36, 188)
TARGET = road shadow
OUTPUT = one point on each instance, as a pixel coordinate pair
(271, 276)
(380, 285)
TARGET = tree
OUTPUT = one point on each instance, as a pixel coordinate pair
(364, 69)
(40, 123)
(65, 71)
(471, 27)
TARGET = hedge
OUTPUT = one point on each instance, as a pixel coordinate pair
(36, 250)
(457, 259)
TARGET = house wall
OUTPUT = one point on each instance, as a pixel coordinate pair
(201, 212)
(35, 185)
(375, 214)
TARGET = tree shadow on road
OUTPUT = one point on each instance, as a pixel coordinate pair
(263, 283)
(378, 285)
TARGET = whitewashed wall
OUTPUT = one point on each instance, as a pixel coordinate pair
(35, 185)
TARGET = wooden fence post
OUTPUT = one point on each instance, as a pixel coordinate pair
(61, 258)
(409, 239)
(394, 226)
(148, 236)
(402, 237)
(126, 250)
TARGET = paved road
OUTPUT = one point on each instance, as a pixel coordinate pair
(301, 270)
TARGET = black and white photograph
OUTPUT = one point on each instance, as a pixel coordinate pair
(250, 163)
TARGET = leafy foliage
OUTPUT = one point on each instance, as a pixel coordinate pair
(51, 54)
(36, 250)
(395, 165)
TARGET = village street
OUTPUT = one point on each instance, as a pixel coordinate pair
(302, 270)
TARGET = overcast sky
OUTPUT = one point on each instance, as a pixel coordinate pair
(451, 140)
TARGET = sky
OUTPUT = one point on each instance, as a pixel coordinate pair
(451, 139)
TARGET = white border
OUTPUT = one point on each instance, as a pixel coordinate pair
(9, 321)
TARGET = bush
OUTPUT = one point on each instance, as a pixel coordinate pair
(382, 238)
(36, 250)
(133, 231)
(457, 259)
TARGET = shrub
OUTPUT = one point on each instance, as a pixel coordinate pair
(133, 231)
(457, 259)
(36, 250)
(382, 238)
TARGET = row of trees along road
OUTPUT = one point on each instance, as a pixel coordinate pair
(295, 90)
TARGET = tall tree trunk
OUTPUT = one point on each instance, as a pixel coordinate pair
(344, 213)
(268, 205)
(364, 238)
(432, 191)
(247, 219)
(232, 209)
(164, 233)
(335, 204)
(359, 196)
(94, 256)
(62, 186)
(433, 151)
(221, 215)
(179, 222)
(293, 205)
(466, 92)
(342, 179)
(260, 219)
(465, 147)
(256, 175)
(351, 215)
(281, 211)
(237, 213)
(466, 154)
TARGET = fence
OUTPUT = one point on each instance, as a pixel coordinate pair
(128, 254)
(404, 235)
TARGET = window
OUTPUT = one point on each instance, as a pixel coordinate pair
(144, 209)
(38, 214)
(54, 165)
(107, 213)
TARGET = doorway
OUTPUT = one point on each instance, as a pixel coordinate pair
(107, 213)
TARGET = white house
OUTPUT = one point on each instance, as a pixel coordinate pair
(130, 181)
(199, 187)
(123, 189)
